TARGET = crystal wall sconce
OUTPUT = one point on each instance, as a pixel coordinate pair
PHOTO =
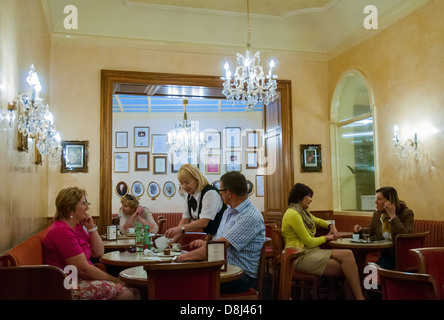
(404, 146)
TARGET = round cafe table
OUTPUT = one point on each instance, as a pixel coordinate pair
(127, 259)
(136, 276)
(360, 250)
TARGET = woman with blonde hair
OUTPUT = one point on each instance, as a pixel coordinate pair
(131, 213)
(203, 208)
(73, 240)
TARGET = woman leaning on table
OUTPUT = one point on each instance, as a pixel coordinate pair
(299, 229)
(392, 217)
(131, 213)
(73, 240)
(203, 208)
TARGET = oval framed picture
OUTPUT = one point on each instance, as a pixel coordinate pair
(121, 189)
(216, 184)
(250, 187)
(169, 189)
(153, 190)
(137, 189)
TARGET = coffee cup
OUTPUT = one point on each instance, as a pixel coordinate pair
(356, 236)
(131, 230)
(175, 246)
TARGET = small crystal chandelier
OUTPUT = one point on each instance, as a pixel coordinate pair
(185, 137)
(248, 83)
(36, 121)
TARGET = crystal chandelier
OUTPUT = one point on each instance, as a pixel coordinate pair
(249, 84)
(185, 137)
(36, 121)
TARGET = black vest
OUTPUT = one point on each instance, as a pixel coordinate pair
(213, 225)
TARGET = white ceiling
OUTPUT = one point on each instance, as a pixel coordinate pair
(313, 26)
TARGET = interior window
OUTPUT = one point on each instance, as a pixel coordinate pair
(353, 155)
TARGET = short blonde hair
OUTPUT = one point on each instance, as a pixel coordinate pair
(131, 201)
(66, 202)
(189, 171)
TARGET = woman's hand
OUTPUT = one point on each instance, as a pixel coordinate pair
(390, 209)
(88, 222)
(334, 232)
(330, 237)
(357, 228)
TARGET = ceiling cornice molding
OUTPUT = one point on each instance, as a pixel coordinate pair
(327, 7)
(182, 47)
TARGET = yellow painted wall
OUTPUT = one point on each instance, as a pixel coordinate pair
(24, 186)
(404, 65)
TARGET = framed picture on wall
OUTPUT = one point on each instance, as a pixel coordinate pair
(212, 140)
(169, 189)
(311, 158)
(153, 190)
(159, 144)
(121, 161)
(137, 189)
(212, 164)
(232, 137)
(159, 164)
(74, 156)
(121, 188)
(141, 136)
(260, 186)
(250, 187)
(233, 160)
(121, 139)
(142, 161)
(253, 139)
(251, 160)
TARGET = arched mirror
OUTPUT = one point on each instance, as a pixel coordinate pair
(353, 147)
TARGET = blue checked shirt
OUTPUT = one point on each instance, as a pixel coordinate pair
(244, 229)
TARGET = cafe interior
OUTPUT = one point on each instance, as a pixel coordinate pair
(94, 94)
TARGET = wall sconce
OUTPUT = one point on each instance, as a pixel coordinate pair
(36, 121)
(404, 146)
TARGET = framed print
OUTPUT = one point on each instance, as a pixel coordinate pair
(137, 189)
(233, 137)
(253, 139)
(159, 144)
(178, 159)
(169, 189)
(212, 140)
(212, 164)
(121, 139)
(142, 161)
(216, 184)
(260, 186)
(251, 160)
(141, 136)
(121, 189)
(159, 164)
(250, 187)
(153, 190)
(311, 158)
(233, 160)
(74, 156)
(121, 161)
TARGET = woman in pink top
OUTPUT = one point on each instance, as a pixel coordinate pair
(72, 240)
